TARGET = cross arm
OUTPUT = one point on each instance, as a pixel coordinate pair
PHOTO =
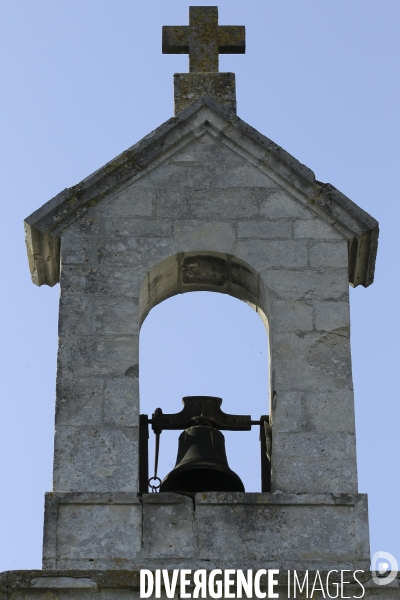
(175, 39)
(232, 39)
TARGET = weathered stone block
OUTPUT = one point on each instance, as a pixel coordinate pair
(314, 410)
(190, 86)
(75, 316)
(79, 401)
(236, 173)
(109, 281)
(179, 173)
(88, 315)
(115, 316)
(168, 526)
(206, 272)
(89, 532)
(276, 203)
(138, 227)
(65, 585)
(99, 458)
(314, 229)
(171, 202)
(331, 315)
(89, 224)
(206, 150)
(314, 463)
(162, 282)
(224, 204)
(93, 355)
(121, 401)
(76, 249)
(307, 284)
(133, 201)
(264, 254)
(310, 360)
(142, 253)
(329, 254)
(250, 530)
(244, 282)
(204, 235)
(362, 532)
(265, 229)
(291, 316)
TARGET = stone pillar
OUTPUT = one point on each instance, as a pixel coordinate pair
(312, 404)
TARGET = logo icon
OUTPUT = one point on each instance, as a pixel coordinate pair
(382, 562)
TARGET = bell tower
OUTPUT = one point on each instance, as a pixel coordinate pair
(203, 203)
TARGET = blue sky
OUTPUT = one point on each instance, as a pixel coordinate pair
(84, 80)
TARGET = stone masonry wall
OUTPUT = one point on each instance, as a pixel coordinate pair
(204, 198)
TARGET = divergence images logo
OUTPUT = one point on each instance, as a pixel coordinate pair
(381, 563)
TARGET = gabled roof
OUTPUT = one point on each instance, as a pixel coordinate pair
(43, 227)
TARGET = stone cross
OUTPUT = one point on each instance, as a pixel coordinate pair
(203, 39)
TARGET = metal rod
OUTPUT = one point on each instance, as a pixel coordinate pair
(143, 454)
(265, 462)
(156, 455)
(155, 482)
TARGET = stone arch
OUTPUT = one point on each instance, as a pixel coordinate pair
(203, 271)
(206, 271)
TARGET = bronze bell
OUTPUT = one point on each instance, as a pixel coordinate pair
(201, 464)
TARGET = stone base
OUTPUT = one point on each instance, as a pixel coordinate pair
(188, 87)
(212, 530)
(124, 585)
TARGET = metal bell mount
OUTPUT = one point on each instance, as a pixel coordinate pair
(201, 464)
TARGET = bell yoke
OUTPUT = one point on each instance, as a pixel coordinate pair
(201, 464)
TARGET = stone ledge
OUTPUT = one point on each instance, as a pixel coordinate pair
(122, 531)
(47, 584)
(279, 498)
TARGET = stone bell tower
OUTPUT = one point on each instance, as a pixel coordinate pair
(207, 203)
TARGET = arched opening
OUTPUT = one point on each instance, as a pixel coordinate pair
(205, 344)
(213, 345)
